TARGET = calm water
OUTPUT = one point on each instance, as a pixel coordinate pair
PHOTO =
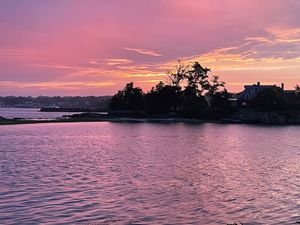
(118, 173)
(30, 113)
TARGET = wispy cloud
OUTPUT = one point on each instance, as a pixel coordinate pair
(15, 54)
(57, 66)
(114, 62)
(105, 70)
(277, 36)
(54, 85)
(143, 51)
(110, 62)
(276, 50)
(154, 74)
(148, 81)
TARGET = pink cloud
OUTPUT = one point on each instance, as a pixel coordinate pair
(143, 51)
(83, 41)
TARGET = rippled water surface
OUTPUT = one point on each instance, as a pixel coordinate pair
(118, 173)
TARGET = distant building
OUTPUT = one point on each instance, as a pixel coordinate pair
(250, 91)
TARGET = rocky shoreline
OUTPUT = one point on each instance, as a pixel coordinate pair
(246, 117)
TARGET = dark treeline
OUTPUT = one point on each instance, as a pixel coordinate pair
(276, 99)
(189, 92)
(57, 101)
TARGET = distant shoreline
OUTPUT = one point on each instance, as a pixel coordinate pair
(243, 116)
(49, 109)
(134, 120)
(117, 120)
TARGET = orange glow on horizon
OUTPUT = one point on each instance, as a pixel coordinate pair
(96, 48)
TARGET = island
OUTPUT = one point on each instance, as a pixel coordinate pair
(189, 95)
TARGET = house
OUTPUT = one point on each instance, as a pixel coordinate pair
(250, 91)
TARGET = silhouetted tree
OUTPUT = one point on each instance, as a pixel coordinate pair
(218, 97)
(215, 85)
(197, 80)
(162, 98)
(178, 75)
(130, 98)
(190, 101)
(194, 106)
(220, 104)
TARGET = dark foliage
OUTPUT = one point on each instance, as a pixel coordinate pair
(130, 98)
(219, 102)
(163, 99)
(271, 99)
(194, 107)
(192, 101)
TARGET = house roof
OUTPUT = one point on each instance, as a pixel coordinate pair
(263, 86)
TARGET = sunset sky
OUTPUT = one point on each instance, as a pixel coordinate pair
(93, 47)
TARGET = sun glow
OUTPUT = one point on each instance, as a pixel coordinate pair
(98, 46)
